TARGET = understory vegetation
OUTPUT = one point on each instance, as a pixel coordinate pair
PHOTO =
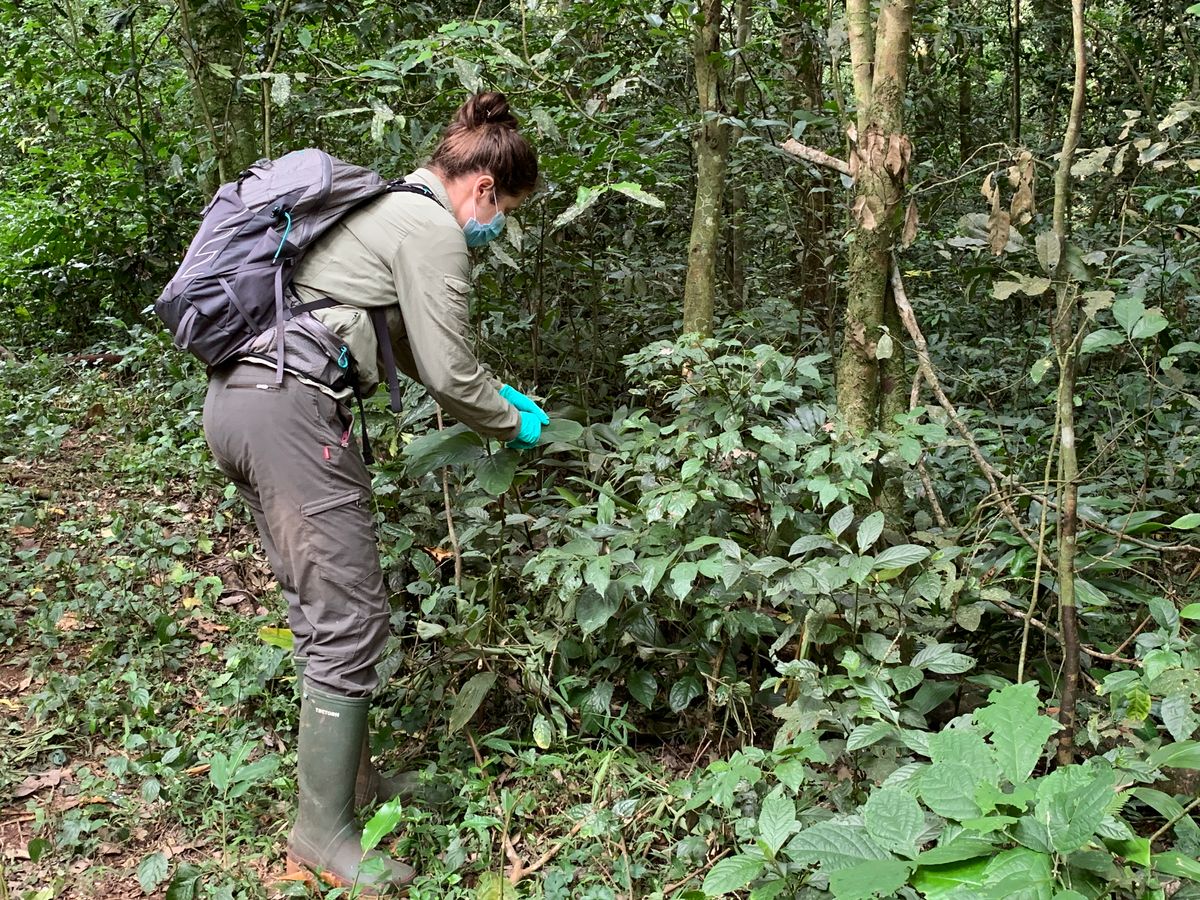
(719, 635)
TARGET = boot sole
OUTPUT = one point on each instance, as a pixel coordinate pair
(297, 869)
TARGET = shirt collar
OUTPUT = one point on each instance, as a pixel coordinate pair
(426, 177)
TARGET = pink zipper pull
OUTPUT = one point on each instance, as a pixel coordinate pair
(325, 451)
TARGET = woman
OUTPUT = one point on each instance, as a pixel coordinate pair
(287, 446)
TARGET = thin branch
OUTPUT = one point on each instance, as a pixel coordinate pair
(1057, 635)
(454, 545)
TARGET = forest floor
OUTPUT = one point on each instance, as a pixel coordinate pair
(147, 728)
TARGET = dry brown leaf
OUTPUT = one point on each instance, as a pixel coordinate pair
(894, 162)
(999, 227)
(34, 783)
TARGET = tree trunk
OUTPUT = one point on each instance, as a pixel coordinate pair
(735, 238)
(213, 42)
(712, 150)
(868, 388)
(1066, 347)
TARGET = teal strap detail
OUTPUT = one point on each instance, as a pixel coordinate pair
(343, 359)
(287, 215)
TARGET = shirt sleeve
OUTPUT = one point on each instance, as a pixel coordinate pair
(431, 268)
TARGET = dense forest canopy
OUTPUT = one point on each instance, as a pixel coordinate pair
(860, 558)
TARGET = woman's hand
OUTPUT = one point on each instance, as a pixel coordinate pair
(524, 404)
(530, 431)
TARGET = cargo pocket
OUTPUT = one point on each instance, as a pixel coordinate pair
(340, 538)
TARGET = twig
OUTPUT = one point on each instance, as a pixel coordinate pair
(914, 396)
(1057, 635)
(989, 471)
(672, 888)
(1171, 823)
(1041, 552)
(815, 156)
(458, 560)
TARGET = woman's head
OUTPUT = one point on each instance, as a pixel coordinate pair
(487, 166)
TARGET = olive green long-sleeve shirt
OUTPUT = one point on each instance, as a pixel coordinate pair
(407, 254)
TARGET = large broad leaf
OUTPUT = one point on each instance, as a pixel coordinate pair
(442, 448)
(877, 878)
(955, 881)
(1073, 816)
(152, 872)
(1101, 339)
(894, 820)
(470, 696)
(948, 789)
(585, 197)
(494, 886)
(1019, 874)
(496, 472)
(732, 874)
(869, 531)
(965, 746)
(776, 821)
(643, 687)
(1182, 755)
(1175, 863)
(1018, 732)
(835, 844)
(276, 637)
(560, 431)
(900, 556)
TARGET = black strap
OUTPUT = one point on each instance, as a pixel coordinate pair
(401, 186)
(368, 456)
(384, 338)
(279, 307)
(324, 303)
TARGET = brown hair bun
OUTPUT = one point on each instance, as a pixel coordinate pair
(489, 108)
(484, 136)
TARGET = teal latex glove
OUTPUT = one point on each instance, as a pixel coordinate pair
(523, 403)
(529, 433)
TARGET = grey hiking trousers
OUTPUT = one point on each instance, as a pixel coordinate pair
(288, 450)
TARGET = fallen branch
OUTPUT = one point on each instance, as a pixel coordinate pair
(815, 156)
(672, 888)
(1054, 633)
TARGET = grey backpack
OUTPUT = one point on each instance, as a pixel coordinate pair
(230, 286)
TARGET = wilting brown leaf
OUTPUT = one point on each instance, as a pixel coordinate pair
(999, 226)
(864, 214)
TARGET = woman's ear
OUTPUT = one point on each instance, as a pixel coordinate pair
(484, 187)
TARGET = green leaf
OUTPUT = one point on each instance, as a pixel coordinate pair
(1149, 325)
(1018, 732)
(380, 825)
(900, 556)
(905, 678)
(1040, 368)
(469, 698)
(1136, 850)
(1183, 755)
(1175, 863)
(777, 821)
(276, 637)
(560, 431)
(152, 872)
(1179, 714)
(732, 874)
(585, 198)
(637, 192)
(496, 472)
(960, 849)
(183, 884)
(683, 692)
(841, 520)
(1072, 816)
(543, 732)
(963, 745)
(942, 659)
(441, 448)
(835, 844)
(643, 688)
(869, 531)
(1019, 874)
(1127, 311)
(948, 789)
(879, 877)
(869, 733)
(1187, 522)
(653, 569)
(598, 574)
(894, 820)
(1101, 339)
(955, 881)
(1191, 612)
(494, 886)
(593, 610)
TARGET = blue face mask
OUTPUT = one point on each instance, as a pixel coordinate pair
(478, 234)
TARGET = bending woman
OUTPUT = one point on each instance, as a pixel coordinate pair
(288, 450)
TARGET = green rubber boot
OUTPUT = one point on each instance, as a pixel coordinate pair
(326, 839)
(371, 786)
